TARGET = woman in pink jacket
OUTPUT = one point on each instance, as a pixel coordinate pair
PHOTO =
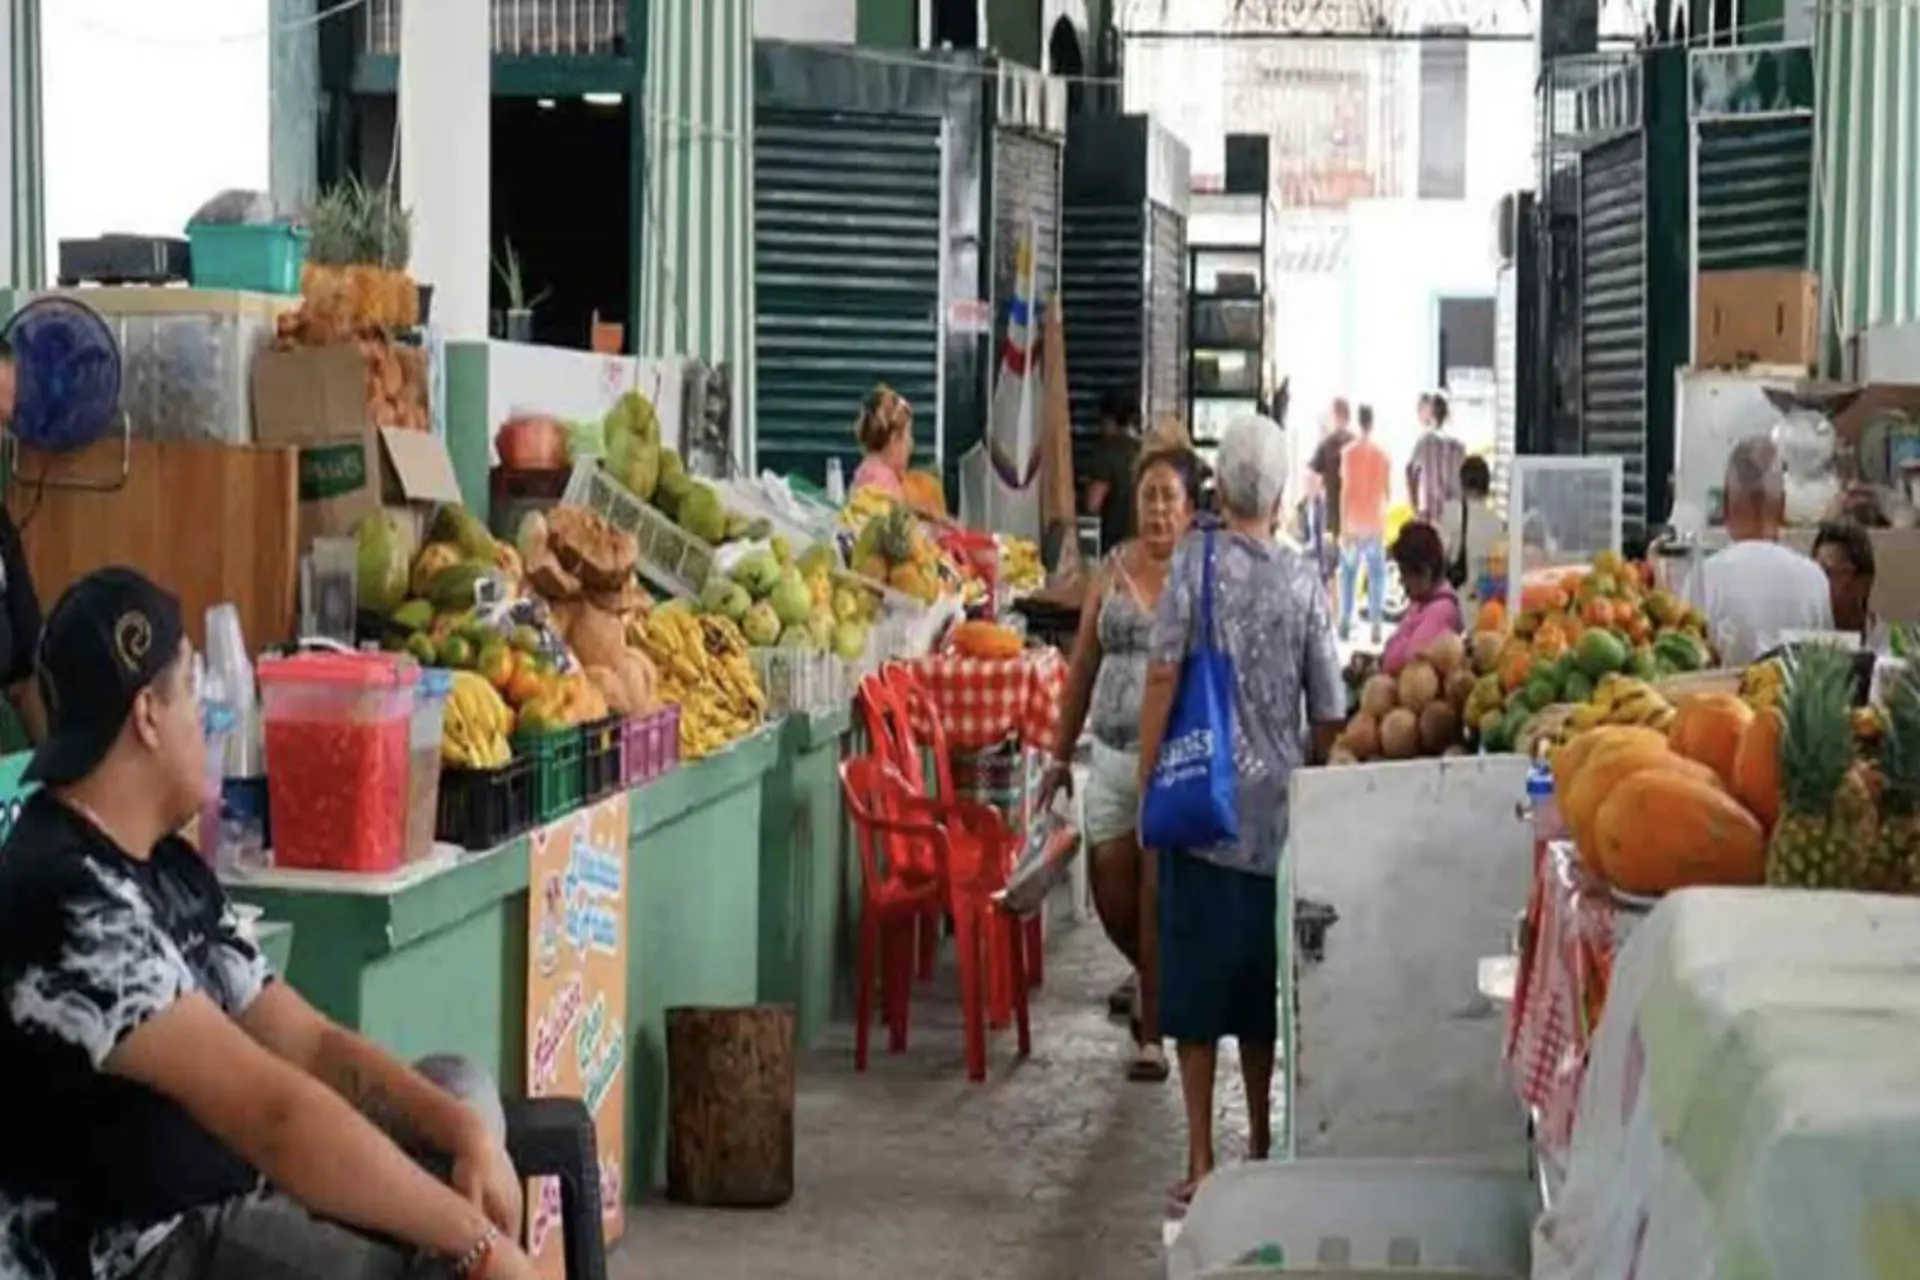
(1432, 608)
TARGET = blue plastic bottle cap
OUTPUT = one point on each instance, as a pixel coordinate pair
(1539, 782)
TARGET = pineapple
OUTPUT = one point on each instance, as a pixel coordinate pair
(1827, 830)
(1896, 860)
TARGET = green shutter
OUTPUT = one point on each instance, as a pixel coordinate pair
(1752, 194)
(1613, 313)
(847, 278)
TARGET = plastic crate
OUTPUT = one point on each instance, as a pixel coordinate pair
(1356, 1218)
(559, 776)
(481, 808)
(652, 746)
(258, 258)
(603, 747)
(799, 680)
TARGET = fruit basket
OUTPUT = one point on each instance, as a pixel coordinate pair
(601, 760)
(481, 808)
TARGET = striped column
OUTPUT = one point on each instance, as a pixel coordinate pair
(23, 223)
(696, 268)
(1866, 237)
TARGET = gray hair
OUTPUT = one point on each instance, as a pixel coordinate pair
(1755, 472)
(1252, 466)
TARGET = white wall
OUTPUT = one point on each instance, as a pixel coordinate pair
(151, 106)
(822, 21)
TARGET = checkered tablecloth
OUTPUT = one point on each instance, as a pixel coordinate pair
(1572, 931)
(987, 702)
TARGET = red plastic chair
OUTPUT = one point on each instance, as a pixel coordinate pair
(890, 732)
(955, 851)
(911, 699)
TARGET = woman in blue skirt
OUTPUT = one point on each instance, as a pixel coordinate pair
(1219, 955)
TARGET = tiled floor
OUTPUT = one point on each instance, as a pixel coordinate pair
(1056, 1168)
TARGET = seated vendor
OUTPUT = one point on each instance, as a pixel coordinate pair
(1845, 552)
(171, 1111)
(1432, 608)
(885, 432)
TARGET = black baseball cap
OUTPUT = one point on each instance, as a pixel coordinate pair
(110, 635)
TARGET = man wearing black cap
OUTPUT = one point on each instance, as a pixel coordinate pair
(154, 1079)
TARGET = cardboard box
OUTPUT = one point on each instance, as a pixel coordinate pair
(1760, 317)
(315, 399)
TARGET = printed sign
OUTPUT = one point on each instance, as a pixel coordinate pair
(577, 999)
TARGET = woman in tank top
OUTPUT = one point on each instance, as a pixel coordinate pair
(1104, 684)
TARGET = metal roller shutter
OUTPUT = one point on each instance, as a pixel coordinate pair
(1506, 374)
(1613, 313)
(1103, 288)
(1166, 313)
(1752, 197)
(846, 213)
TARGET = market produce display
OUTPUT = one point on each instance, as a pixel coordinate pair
(892, 547)
(1419, 713)
(1020, 566)
(656, 474)
(986, 640)
(704, 669)
(1786, 783)
(778, 604)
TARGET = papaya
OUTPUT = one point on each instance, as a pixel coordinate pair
(1661, 830)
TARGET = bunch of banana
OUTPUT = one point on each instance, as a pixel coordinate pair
(1619, 699)
(1763, 683)
(705, 670)
(1020, 565)
(477, 724)
(866, 503)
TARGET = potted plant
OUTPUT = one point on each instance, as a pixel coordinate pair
(519, 326)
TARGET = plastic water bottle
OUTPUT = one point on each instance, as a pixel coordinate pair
(836, 483)
(1543, 809)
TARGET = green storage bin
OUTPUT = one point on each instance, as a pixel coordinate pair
(257, 258)
(559, 771)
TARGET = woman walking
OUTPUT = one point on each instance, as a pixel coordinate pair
(1219, 961)
(1104, 685)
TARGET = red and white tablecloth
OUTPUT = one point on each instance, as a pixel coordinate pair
(985, 702)
(1574, 926)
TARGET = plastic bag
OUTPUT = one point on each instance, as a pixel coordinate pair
(1052, 842)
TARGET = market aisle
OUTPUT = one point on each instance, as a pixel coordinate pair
(1055, 1169)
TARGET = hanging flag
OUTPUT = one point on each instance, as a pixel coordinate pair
(1013, 423)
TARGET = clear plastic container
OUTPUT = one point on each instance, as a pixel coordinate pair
(338, 736)
(1561, 512)
(1543, 809)
(423, 761)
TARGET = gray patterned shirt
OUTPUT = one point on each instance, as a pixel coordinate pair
(1270, 615)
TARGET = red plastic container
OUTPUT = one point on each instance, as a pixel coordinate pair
(337, 733)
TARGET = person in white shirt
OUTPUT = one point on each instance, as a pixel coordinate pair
(1471, 529)
(1756, 590)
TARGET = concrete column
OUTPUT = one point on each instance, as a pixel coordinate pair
(446, 113)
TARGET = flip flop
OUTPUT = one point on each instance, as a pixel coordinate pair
(1149, 1065)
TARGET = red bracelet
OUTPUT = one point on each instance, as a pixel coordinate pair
(479, 1256)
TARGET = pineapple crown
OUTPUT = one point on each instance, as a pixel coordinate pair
(1816, 740)
(1900, 753)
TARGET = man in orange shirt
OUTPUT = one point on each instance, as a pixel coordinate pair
(1365, 475)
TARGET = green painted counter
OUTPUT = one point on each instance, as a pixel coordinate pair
(803, 870)
(439, 962)
(276, 940)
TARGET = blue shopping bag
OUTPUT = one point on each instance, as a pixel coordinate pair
(1193, 795)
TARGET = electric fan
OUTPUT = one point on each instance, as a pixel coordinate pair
(67, 393)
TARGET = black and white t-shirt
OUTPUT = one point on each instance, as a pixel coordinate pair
(94, 1169)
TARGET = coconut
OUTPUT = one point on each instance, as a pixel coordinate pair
(1439, 727)
(1399, 735)
(1459, 688)
(1419, 685)
(1378, 696)
(1448, 654)
(1362, 736)
(1486, 651)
